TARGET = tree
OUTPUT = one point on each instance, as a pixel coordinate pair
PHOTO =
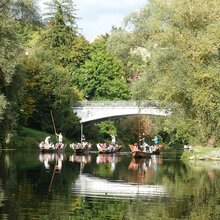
(9, 50)
(49, 73)
(78, 54)
(183, 66)
(48, 88)
(102, 76)
(125, 45)
(61, 30)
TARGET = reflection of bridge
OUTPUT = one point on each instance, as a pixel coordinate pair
(96, 110)
(96, 187)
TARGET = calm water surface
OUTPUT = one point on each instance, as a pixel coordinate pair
(68, 186)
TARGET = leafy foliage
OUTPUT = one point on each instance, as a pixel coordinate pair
(102, 76)
(10, 80)
(183, 66)
(49, 78)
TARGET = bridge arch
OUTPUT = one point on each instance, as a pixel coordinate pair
(96, 110)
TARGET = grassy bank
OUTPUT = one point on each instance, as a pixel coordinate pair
(202, 153)
(27, 138)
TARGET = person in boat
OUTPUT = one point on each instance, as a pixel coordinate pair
(135, 147)
(156, 140)
(46, 144)
(60, 137)
(104, 146)
(113, 139)
(83, 139)
(143, 142)
(42, 144)
(47, 140)
(110, 148)
(144, 146)
(60, 140)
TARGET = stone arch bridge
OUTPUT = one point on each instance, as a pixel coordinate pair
(96, 110)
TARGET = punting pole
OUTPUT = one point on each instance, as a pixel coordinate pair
(51, 181)
(81, 132)
(54, 127)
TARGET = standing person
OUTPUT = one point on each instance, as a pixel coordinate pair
(83, 141)
(47, 140)
(156, 140)
(60, 137)
(143, 141)
(59, 145)
(83, 138)
(135, 147)
(113, 139)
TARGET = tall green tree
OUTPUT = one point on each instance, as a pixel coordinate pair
(9, 50)
(17, 18)
(125, 46)
(183, 67)
(49, 69)
(102, 76)
(26, 14)
(61, 29)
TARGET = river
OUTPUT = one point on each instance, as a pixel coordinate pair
(106, 187)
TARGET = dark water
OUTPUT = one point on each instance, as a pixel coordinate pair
(106, 187)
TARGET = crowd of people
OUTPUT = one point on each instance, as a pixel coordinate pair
(102, 147)
(47, 144)
(144, 146)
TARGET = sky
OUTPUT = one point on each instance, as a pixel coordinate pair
(97, 17)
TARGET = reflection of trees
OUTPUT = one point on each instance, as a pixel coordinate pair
(195, 190)
(2, 196)
(144, 170)
(25, 184)
(99, 209)
(140, 209)
(191, 193)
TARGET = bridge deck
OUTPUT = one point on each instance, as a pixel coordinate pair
(96, 110)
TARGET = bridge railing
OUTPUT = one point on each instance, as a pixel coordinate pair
(121, 103)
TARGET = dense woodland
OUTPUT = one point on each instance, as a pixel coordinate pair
(168, 51)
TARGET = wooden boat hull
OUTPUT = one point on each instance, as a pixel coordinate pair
(79, 148)
(51, 150)
(141, 154)
(144, 154)
(156, 152)
(81, 151)
(59, 147)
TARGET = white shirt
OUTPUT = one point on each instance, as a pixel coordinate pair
(47, 140)
(60, 137)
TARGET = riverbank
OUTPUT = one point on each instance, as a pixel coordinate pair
(201, 153)
(27, 138)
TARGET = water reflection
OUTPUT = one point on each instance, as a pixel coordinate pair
(108, 158)
(92, 186)
(47, 158)
(145, 189)
(99, 184)
(80, 158)
(143, 168)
